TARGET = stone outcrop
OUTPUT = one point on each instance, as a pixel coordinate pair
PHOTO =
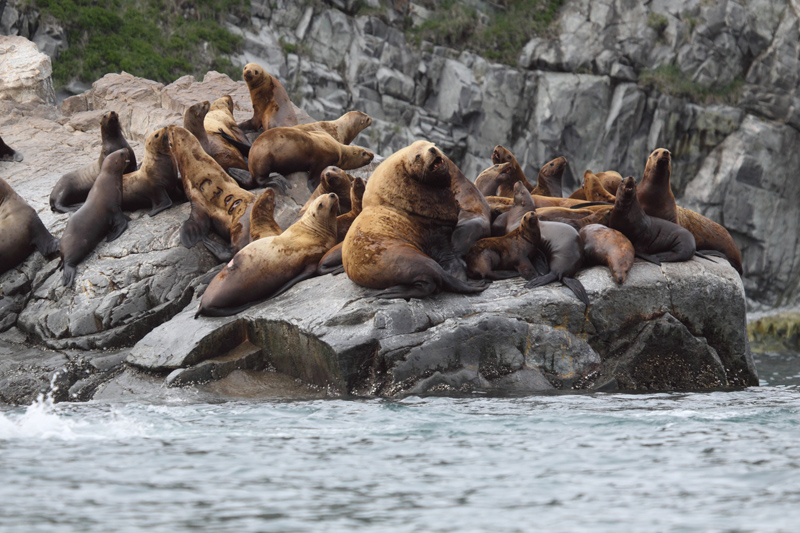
(25, 72)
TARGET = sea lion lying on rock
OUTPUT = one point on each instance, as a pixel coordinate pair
(563, 248)
(405, 226)
(605, 246)
(507, 256)
(269, 266)
(344, 129)
(21, 230)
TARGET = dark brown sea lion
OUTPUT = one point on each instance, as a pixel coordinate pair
(271, 105)
(9, 154)
(507, 256)
(605, 246)
(332, 180)
(100, 216)
(220, 118)
(344, 129)
(563, 248)
(654, 191)
(507, 222)
(654, 239)
(221, 150)
(267, 267)
(218, 203)
(73, 187)
(262, 217)
(500, 155)
(474, 215)
(331, 262)
(21, 230)
(409, 213)
(151, 185)
(287, 150)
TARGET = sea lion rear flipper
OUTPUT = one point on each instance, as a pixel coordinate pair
(650, 258)
(118, 224)
(243, 148)
(308, 272)
(160, 201)
(578, 288)
(220, 251)
(331, 262)
(242, 177)
(195, 228)
(44, 242)
(541, 280)
(69, 275)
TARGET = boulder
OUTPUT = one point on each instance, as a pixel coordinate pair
(24, 72)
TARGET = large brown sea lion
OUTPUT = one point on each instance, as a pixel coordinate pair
(262, 217)
(221, 150)
(563, 249)
(73, 187)
(405, 227)
(218, 203)
(21, 230)
(151, 185)
(493, 177)
(344, 129)
(605, 246)
(9, 154)
(474, 215)
(654, 239)
(269, 266)
(332, 180)
(287, 150)
(100, 216)
(507, 256)
(271, 105)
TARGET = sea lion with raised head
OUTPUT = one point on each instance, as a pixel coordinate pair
(271, 105)
(221, 150)
(606, 246)
(100, 216)
(9, 154)
(331, 262)
(218, 203)
(507, 222)
(404, 231)
(344, 129)
(490, 179)
(262, 217)
(151, 185)
(654, 239)
(287, 150)
(267, 267)
(332, 180)
(500, 155)
(548, 182)
(73, 187)
(507, 256)
(594, 190)
(563, 248)
(609, 180)
(474, 215)
(21, 230)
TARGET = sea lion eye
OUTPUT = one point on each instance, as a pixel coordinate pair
(418, 157)
(551, 164)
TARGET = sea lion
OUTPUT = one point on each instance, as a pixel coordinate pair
(218, 203)
(507, 256)
(490, 179)
(654, 239)
(221, 150)
(331, 262)
(606, 246)
(73, 187)
(267, 267)
(271, 105)
(287, 150)
(262, 217)
(219, 119)
(594, 190)
(654, 191)
(9, 154)
(549, 179)
(499, 205)
(153, 182)
(409, 212)
(501, 154)
(100, 216)
(474, 215)
(332, 180)
(709, 235)
(507, 222)
(344, 129)
(21, 230)
(609, 179)
(563, 248)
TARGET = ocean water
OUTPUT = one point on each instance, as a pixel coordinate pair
(718, 461)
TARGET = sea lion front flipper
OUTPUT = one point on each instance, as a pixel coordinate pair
(650, 258)
(220, 251)
(195, 228)
(242, 177)
(541, 280)
(243, 148)
(577, 287)
(68, 277)
(308, 272)
(160, 201)
(331, 262)
(44, 242)
(118, 224)
(540, 264)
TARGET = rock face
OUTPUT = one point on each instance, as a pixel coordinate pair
(25, 72)
(650, 334)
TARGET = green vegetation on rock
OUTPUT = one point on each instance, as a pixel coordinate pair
(155, 39)
(775, 333)
(669, 79)
(498, 35)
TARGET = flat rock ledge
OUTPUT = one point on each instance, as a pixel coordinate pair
(680, 326)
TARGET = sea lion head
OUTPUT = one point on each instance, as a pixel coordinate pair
(357, 189)
(109, 123)
(323, 212)
(426, 164)
(362, 119)
(554, 168)
(519, 197)
(199, 110)
(223, 102)
(254, 75)
(334, 179)
(529, 227)
(158, 142)
(626, 193)
(660, 159)
(501, 154)
(504, 176)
